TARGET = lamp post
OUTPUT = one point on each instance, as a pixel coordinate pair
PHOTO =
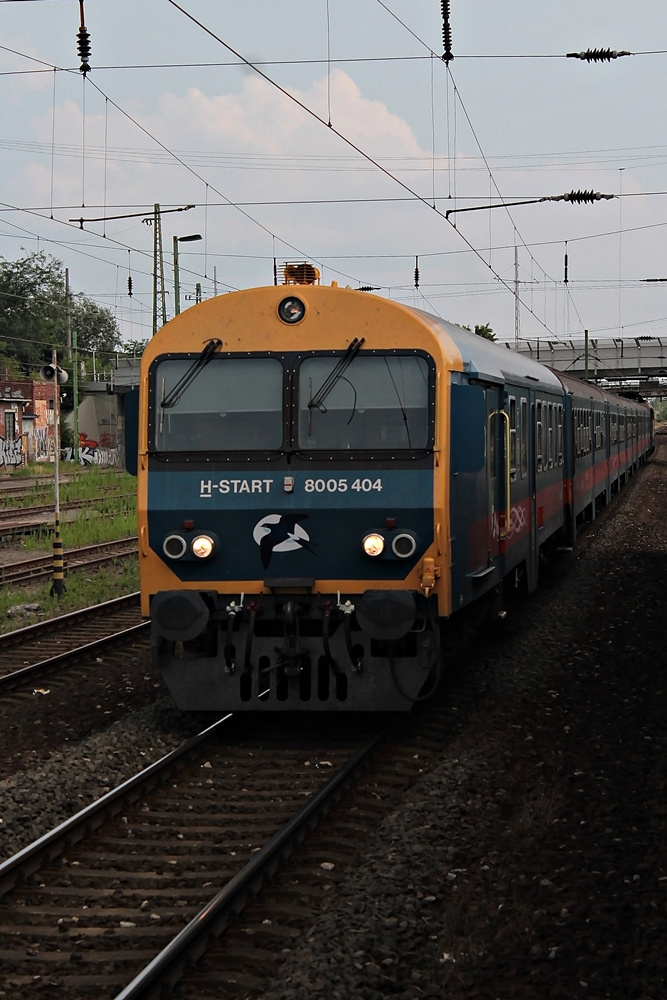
(177, 287)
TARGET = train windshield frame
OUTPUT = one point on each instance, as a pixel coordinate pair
(233, 404)
(266, 404)
(381, 402)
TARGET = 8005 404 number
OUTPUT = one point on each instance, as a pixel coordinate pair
(342, 485)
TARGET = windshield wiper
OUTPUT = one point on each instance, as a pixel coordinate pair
(335, 375)
(191, 374)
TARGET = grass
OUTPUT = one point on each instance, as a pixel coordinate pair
(111, 515)
(87, 483)
(108, 520)
(83, 589)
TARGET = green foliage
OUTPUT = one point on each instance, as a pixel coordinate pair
(33, 316)
(111, 514)
(83, 589)
(482, 330)
(485, 331)
(135, 348)
(660, 408)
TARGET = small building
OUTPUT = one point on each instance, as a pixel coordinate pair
(15, 403)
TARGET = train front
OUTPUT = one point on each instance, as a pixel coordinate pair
(291, 551)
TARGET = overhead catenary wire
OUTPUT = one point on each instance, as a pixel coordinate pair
(342, 136)
(369, 256)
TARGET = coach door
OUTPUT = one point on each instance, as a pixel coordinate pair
(533, 442)
(498, 473)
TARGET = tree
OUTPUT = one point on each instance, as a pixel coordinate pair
(32, 311)
(95, 326)
(135, 348)
(485, 330)
(33, 316)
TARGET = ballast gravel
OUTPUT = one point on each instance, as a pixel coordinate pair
(527, 862)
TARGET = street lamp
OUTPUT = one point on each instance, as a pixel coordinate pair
(177, 287)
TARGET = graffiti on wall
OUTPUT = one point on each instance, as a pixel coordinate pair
(39, 444)
(102, 452)
(11, 452)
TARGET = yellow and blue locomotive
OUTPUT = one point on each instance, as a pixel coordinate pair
(325, 475)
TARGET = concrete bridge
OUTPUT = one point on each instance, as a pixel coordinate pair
(638, 363)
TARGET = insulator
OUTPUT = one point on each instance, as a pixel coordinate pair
(416, 272)
(129, 285)
(275, 272)
(83, 43)
(446, 32)
(83, 48)
(598, 55)
(369, 288)
(580, 197)
(565, 276)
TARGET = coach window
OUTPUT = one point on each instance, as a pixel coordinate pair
(512, 402)
(550, 436)
(613, 433)
(491, 452)
(621, 427)
(559, 434)
(524, 438)
(538, 434)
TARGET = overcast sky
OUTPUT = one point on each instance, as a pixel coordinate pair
(170, 114)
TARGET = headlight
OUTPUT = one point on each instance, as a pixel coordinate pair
(291, 310)
(373, 545)
(403, 545)
(174, 546)
(202, 546)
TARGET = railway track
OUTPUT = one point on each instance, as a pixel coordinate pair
(89, 556)
(25, 650)
(227, 847)
(64, 679)
(28, 520)
(87, 907)
(12, 490)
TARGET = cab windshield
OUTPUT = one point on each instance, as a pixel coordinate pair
(233, 404)
(237, 404)
(379, 402)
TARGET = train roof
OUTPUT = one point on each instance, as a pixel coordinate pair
(493, 362)
(586, 390)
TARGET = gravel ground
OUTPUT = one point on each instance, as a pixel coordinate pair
(529, 861)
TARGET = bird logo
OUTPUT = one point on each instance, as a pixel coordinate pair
(280, 533)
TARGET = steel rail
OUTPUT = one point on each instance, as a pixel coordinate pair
(36, 567)
(90, 647)
(30, 858)
(65, 620)
(170, 961)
